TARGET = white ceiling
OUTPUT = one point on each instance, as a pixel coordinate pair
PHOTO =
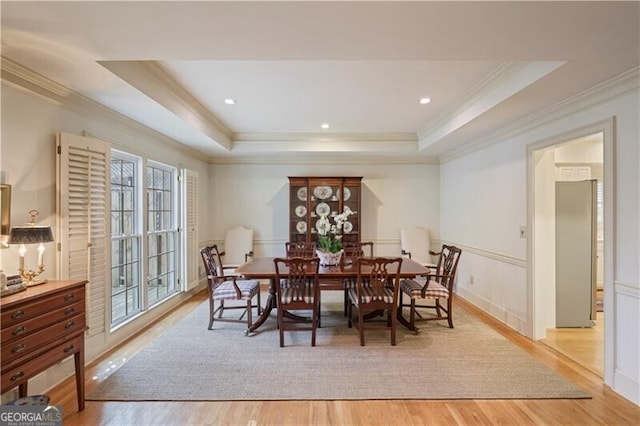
(359, 66)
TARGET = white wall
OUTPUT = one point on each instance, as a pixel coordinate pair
(28, 163)
(484, 201)
(257, 196)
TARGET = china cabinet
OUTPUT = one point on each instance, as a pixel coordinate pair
(311, 197)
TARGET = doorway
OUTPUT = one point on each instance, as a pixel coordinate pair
(579, 156)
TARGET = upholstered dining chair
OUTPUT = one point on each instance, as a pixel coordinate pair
(222, 288)
(297, 288)
(300, 248)
(238, 248)
(415, 243)
(435, 286)
(376, 289)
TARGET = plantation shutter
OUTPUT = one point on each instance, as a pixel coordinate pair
(83, 224)
(191, 227)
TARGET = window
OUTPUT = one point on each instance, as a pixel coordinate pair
(125, 237)
(132, 252)
(162, 232)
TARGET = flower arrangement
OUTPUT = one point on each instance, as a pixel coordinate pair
(328, 234)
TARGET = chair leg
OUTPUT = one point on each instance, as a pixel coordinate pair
(281, 327)
(315, 323)
(449, 311)
(249, 317)
(361, 326)
(221, 308)
(438, 308)
(319, 312)
(212, 310)
(412, 314)
(393, 316)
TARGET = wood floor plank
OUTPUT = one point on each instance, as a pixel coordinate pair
(605, 408)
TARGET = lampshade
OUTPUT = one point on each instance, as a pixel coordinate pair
(30, 234)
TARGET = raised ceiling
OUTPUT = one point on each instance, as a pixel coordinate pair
(359, 66)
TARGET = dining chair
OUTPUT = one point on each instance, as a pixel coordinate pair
(376, 290)
(238, 248)
(435, 286)
(297, 288)
(415, 243)
(300, 248)
(224, 288)
(352, 251)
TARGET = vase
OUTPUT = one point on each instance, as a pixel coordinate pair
(329, 259)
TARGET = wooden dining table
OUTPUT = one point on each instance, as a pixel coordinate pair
(264, 268)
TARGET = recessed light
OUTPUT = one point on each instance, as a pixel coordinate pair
(229, 101)
(425, 101)
(325, 125)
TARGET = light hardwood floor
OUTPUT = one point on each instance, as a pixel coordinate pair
(605, 408)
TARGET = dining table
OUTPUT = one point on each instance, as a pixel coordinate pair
(263, 268)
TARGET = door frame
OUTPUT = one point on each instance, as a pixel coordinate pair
(535, 303)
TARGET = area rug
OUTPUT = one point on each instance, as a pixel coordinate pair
(471, 361)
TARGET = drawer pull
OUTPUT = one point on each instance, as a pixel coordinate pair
(69, 311)
(18, 331)
(68, 349)
(69, 325)
(69, 297)
(17, 314)
(18, 348)
(17, 376)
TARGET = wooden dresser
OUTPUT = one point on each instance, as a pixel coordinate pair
(40, 327)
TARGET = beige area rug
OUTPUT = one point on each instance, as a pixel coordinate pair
(472, 361)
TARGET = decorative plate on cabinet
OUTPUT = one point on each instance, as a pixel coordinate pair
(301, 211)
(347, 227)
(302, 193)
(301, 227)
(322, 192)
(323, 209)
(347, 193)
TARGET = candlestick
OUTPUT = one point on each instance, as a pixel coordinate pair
(40, 254)
(22, 251)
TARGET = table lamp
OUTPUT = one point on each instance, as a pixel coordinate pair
(31, 233)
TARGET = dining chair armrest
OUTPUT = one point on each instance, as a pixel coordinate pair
(406, 253)
(248, 255)
(434, 253)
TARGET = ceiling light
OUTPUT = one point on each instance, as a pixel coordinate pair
(229, 101)
(425, 101)
(325, 125)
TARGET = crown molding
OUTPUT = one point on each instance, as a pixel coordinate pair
(25, 78)
(503, 82)
(598, 94)
(325, 159)
(326, 137)
(151, 79)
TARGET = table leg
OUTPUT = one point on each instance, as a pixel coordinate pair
(270, 304)
(78, 359)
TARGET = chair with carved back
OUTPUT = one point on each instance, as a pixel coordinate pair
(297, 288)
(352, 251)
(435, 286)
(300, 248)
(377, 287)
(225, 288)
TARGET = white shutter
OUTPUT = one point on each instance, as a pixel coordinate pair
(191, 227)
(83, 225)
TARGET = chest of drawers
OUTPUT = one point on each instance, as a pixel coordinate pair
(40, 327)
